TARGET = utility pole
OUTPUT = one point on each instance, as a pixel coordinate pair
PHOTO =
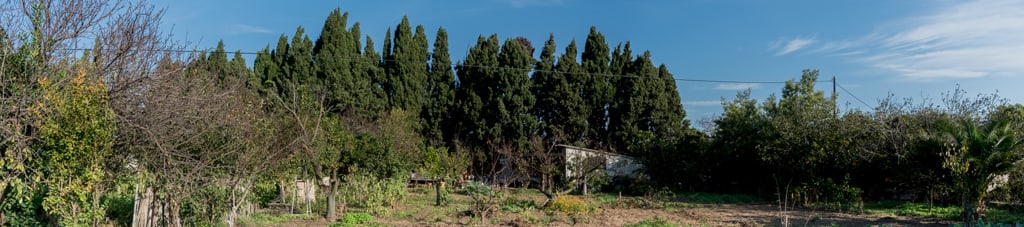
(835, 105)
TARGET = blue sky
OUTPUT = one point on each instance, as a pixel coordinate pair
(912, 49)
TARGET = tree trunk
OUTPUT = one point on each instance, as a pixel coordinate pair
(437, 191)
(281, 191)
(331, 204)
(95, 205)
(3, 190)
(173, 215)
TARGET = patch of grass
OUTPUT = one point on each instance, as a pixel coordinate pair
(652, 222)
(261, 219)
(353, 219)
(994, 215)
(714, 198)
(513, 205)
(525, 192)
(1004, 216)
(912, 209)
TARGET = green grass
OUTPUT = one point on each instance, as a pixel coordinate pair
(912, 209)
(261, 219)
(1004, 216)
(994, 215)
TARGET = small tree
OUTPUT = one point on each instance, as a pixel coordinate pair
(975, 154)
(77, 133)
(443, 165)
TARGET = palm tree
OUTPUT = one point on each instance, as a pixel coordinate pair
(975, 153)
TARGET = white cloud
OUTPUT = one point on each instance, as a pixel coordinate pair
(792, 45)
(972, 39)
(966, 40)
(248, 29)
(737, 86)
(703, 103)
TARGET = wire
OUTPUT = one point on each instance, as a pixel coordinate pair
(854, 96)
(360, 57)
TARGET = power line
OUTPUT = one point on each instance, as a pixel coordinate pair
(360, 57)
(854, 96)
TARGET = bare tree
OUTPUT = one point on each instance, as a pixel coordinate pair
(191, 130)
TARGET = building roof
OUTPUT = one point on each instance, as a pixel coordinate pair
(594, 151)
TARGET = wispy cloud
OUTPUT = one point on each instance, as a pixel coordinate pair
(786, 47)
(248, 29)
(965, 40)
(703, 103)
(737, 86)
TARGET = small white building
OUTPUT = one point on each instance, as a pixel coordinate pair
(578, 161)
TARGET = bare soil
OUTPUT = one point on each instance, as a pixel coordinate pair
(418, 211)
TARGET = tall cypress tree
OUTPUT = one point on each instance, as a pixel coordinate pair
(217, 61)
(631, 129)
(543, 89)
(407, 68)
(279, 58)
(669, 116)
(386, 50)
(621, 64)
(597, 91)
(512, 100)
(440, 92)
(240, 71)
(474, 90)
(621, 58)
(332, 56)
(572, 110)
(372, 70)
(365, 95)
(264, 70)
(299, 63)
(559, 105)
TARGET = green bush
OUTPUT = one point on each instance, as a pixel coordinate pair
(264, 192)
(120, 207)
(374, 194)
(834, 196)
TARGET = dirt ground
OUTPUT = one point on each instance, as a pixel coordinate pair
(755, 215)
(417, 213)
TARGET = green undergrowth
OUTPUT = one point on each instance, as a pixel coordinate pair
(262, 219)
(994, 215)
